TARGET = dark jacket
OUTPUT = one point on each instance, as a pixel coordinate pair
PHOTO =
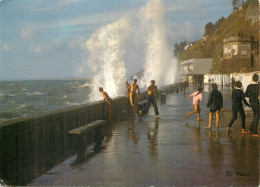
(215, 101)
(237, 97)
(252, 93)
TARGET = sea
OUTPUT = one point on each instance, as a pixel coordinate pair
(25, 98)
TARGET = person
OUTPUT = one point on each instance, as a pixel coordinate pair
(132, 93)
(185, 85)
(237, 97)
(108, 100)
(232, 84)
(215, 103)
(252, 94)
(151, 91)
(197, 98)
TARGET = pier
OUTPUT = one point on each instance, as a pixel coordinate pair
(135, 150)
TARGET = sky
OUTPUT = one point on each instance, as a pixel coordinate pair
(46, 39)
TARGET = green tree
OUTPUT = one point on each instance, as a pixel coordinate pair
(209, 28)
(218, 23)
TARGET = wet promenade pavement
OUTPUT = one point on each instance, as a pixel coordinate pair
(171, 151)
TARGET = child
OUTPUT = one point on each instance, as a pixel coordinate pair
(237, 106)
(108, 100)
(215, 103)
(197, 98)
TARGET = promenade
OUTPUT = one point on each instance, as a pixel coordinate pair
(171, 151)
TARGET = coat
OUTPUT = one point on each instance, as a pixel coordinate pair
(215, 101)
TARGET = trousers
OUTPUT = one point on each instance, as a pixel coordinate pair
(151, 99)
(238, 108)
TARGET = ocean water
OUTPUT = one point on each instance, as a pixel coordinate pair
(33, 97)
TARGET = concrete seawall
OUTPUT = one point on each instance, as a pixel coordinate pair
(33, 145)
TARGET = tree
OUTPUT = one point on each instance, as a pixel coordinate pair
(178, 48)
(253, 2)
(218, 23)
(209, 28)
(236, 4)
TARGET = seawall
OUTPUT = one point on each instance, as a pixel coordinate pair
(33, 145)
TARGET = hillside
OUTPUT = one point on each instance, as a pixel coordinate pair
(212, 47)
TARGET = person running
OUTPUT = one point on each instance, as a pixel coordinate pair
(151, 91)
(108, 100)
(132, 93)
(197, 98)
(252, 93)
(215, 103)
(237, 97)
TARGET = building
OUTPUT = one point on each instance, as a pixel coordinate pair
(188, 45)
(241, 46)
(219, 79)
(193, 70)
(239, 54)
(225, 79)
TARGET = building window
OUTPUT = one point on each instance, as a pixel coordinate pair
(244, 52)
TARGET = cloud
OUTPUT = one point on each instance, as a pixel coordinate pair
(190, 5)
(60, 4)
(78, 43)
(186, 31)
(50, 45)
(27, 33)
(4, 47)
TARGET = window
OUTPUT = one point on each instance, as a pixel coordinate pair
(244, 52)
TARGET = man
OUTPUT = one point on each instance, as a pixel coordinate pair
(252, 93)
(237, 97)
(108, 100)
(152, 90)
(132, 93)
(215, 103)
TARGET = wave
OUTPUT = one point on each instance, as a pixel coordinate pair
(36, 93)
(85, 85)
(23, 106)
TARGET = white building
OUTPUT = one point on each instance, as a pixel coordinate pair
(193, 70)
(245, 78)
(188, 45)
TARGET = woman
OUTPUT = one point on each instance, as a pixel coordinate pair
(197, 98)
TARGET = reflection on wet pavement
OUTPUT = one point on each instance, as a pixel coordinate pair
(143, 151)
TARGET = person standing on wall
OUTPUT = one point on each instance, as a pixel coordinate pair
(132, 93)
(252, 93)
